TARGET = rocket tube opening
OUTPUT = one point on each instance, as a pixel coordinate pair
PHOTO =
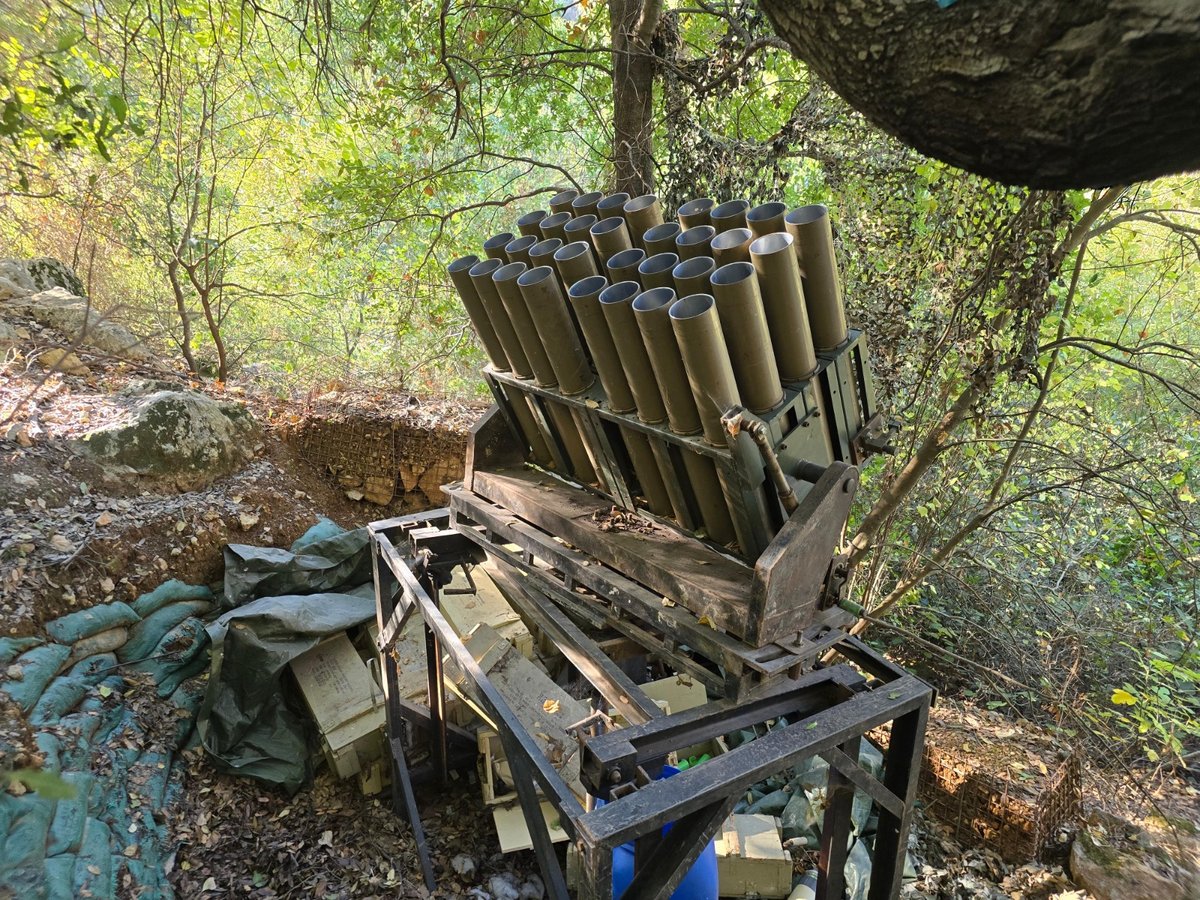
(572, 250)
(463, 262)
(532, 217)
(639, 203)
(612, 205)
(730, 209)
(771, 243)
(734, 237)
(698, 205)
(665, 231)
(498, 241)
(606, 225)
(765, 211)
(654, 299)
(732, 273)
(535, 276)
(521, 244)
(545, 248)
(620, 292)
(806, 214)
(690, 307)
(512, 270)
(581, 223)
(699, 234)
(586, 202)
(485, 267)
(690, 268)
(660, 262)
(625, 263)
(563, 200)
(558, 220)
(587, 286)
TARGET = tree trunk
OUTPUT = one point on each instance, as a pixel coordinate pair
(1048, 93)
(633, 25)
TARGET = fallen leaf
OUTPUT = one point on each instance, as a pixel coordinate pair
(60, 543)
(326, 839)
(104, 519)
(550, 706)
(248, 520)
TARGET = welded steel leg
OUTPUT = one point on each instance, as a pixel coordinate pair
(902, 771)
(404, 802)
(531, 806)
(657, 875)
(439, 751)
(835, 830)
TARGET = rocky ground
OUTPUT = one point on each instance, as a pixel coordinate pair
(86, 521)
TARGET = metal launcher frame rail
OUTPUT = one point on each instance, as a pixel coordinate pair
(733, 571)
(829, 709)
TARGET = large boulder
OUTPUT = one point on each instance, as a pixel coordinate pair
(1114, 860)
(79, 321)
(180, 435)
(20, 277)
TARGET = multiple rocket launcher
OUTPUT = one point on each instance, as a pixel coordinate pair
(726, 308)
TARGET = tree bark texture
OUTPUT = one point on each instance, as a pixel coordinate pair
(1047, 93)
(633, 25)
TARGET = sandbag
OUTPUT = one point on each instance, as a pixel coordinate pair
(86, 622)
(173, 591)
(799, 820)
(146, 635)
(60, 697)
(102, 642)
(12, 647)
(66, 828)
(38, 668)
(95, 853)
(21, 869)
(93, 669)
(771, 804)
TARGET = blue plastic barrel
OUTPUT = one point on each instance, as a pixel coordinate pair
(700, 882)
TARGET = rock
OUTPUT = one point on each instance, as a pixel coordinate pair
(63, 361)
(28, 276)
(463, 866)
(183, 435)
(10, 334)
(504, 887)
(75, 317)
(1110, 867)
(533, 888)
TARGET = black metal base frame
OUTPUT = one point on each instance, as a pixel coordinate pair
(829, 708)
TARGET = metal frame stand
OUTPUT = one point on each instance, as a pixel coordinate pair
(829, 708)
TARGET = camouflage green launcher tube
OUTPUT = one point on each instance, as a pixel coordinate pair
(744, 324)
(729, 215)
(505, 279)
(577, 229)
(612, 206)
(691, 276)
(660, 238)
(561, 202)
(530, 223)
(481, 278)
(732, 246)
(556, 331)
(610, 237)
(459, 274)
(624, 266)
(584, 297)
(813, 233)
(697, 327)
(494, 246)
(575, 262)
(585, 204)
(645, 467)
(518, 250)
(651, 310)
(655, 271)
(695, 212)
(779, 282)
(617, 303)
(695, 242)
(641, 214)
(766, 218)
(553, 227)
